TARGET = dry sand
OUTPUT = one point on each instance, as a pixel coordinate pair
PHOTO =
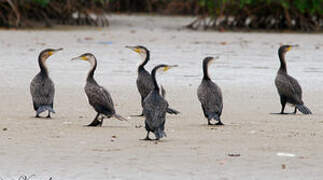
(62, 148)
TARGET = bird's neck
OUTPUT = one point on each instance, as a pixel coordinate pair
(42, 65)
(144, 62)
(282, 67)
(90, 76)
(153, 74)
(206, 71)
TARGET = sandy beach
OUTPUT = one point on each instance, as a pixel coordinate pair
(251, 145)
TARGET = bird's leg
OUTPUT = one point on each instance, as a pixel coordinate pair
(219, 123)
(48, 116)
(209, 122)
(101, 121)
(37, 116)
(95, 122)
(295, 110)
(283, 103)
(147, 137)
(138, 115)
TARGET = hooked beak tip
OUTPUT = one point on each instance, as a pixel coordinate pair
(172, 66)
(75, 58)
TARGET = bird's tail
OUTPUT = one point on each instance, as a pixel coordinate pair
(117, 116)
(45, 108)
(172, 111)
(159, 133)
(302, 108)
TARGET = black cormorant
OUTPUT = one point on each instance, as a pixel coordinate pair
(144, 81)
(42, 88)
(288, 88)
(99, 98)
(155, 108)
(210, 95)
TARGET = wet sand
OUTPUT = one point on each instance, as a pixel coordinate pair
(245, 148)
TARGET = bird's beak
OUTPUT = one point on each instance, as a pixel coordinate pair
(76, 58)
(59, 49)
(137, 50)
(291, 46)
(169, 67)
(130, 47)
(54, 51)
(84, 58)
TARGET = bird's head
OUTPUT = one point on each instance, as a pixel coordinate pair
(285, 48)
(141, 50)
(209, 60)
(48, 52)
(86, 57)
(164, 67)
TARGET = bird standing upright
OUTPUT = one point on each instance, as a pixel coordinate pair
(210, 95)
(144, 80)
(288, 88)
(98, 97)
(42, 88)
(155, 108)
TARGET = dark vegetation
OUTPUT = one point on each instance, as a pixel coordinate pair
(301, 15)
(30, 13)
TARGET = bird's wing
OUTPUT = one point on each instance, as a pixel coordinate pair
(155, 110)
(100, 98)
(289, 87)
(210, 96)
(160, 113)
(144, 83)
(42, 90)
(51, 91)
(297, 88)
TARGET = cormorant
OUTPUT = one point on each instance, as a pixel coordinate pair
(99, 98)
(42, 88)
(288, 88)
(144, 81)
(155, 108)
(210, 95)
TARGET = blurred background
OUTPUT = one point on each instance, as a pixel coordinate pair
(295, 15)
